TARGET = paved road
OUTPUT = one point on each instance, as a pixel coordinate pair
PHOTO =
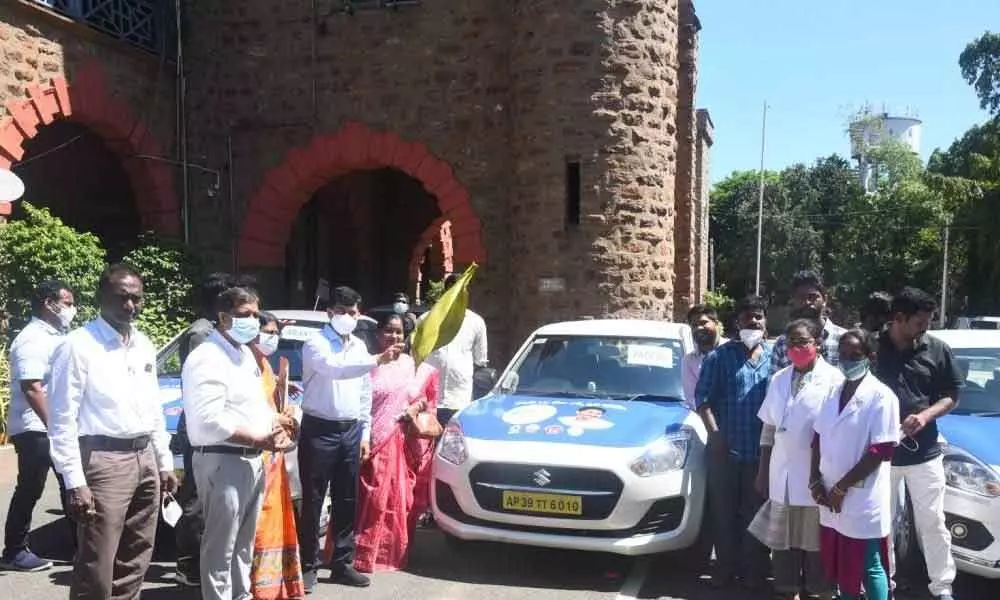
(437, 571)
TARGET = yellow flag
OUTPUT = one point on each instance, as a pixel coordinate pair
(441, 324)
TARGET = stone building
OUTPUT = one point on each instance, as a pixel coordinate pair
(379, 143)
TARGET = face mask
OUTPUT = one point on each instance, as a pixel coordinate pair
(244, 329)
(66, 315)
(400, 308)
(343, 324)
(171, 510)
(268, 343)
(854, 370)
(802, 356)
(751, 338)
(704, 337)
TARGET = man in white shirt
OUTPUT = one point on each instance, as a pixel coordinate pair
(31, 353)
(230, 421)
(457, 362)
(335, 434)
(108, 440)
(704, 322)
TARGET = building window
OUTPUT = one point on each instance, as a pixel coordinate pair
(148, 24)
(573, 193)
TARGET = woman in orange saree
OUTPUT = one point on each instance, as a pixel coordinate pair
(277, 572)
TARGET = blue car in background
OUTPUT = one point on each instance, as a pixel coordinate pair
(971, 438)
(299, 326)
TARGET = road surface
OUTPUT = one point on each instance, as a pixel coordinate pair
(436, 571)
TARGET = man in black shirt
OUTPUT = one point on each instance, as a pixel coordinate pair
(924, 375)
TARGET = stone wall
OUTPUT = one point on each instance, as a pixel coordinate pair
(686, 196)
(703, 187)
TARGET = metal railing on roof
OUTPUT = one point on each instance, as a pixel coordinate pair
(147, 24)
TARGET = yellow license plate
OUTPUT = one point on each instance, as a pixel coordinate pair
(555, 504)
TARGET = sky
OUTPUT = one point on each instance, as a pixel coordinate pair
(816, 62)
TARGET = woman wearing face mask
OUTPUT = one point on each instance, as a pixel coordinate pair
(788, 523)
(386, 493)
(857, 431)
(277, 571)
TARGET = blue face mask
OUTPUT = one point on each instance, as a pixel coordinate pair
(244, 329)
(854, 370)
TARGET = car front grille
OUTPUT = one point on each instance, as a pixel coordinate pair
(598, 489)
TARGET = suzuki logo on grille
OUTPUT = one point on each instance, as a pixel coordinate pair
(541, 477)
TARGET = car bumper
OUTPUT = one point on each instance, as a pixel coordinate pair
(650, 514)
(974, 524)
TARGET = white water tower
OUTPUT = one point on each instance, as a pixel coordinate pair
(876, 128)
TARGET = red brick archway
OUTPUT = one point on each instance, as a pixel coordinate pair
(89, 102)
(438, 231)
(304, 170)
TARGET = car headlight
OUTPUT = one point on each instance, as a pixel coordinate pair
(964, 471)
(452, 446)
(667, 453)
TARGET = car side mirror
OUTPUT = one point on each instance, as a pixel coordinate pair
(484, 379)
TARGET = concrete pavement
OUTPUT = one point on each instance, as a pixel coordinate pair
(436, 570)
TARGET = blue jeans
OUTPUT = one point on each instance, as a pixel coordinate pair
(329, 458)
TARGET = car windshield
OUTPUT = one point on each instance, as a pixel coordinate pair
(981, 368)
(616, 367)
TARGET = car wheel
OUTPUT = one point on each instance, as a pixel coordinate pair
(910, 563)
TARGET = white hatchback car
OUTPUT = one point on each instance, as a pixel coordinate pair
(970, 436)
(584, 444)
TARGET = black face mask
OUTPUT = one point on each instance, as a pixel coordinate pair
(704, 337)
(806, 312)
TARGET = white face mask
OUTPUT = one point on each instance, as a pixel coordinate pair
(751, 338)
(400, 308)
(343, 324)
(244, 329)
(267, 343)
(171, 510)
(66, 315)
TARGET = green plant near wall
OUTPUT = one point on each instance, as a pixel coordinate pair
(169, 269)
(38, 247)
(434, 291)
(4, 392)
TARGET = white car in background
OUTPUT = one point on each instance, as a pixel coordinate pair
(584, 444)
(971, 437)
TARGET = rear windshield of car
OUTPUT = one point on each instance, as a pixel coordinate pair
(601, 365)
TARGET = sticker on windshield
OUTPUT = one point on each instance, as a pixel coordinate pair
(529, 413)
(644, 355)
(298, 333)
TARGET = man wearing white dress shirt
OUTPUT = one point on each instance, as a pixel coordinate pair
(335, 433)
(108, 440)
(229, 421)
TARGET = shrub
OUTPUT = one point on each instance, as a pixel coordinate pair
(434, 291)
(40, 247)
(169, 270)
(4, 391)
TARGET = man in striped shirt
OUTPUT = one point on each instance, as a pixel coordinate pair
(809, 302)
(730, 391)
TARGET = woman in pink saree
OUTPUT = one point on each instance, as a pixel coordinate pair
(386, 502)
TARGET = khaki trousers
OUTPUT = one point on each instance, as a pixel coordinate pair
(116, 545)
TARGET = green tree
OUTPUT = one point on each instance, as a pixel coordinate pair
(169, 270)
(980, 64)
(40, 247)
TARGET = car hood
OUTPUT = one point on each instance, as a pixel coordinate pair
(570, 420)
(977, 435)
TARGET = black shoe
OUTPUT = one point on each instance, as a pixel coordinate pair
(350, 576)
(309, 581)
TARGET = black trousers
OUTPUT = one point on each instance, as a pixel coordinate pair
(33, 464)
(733, 503)
(329, 459)
(191, 524)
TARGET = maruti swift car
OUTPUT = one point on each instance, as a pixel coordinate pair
(583, 444)
(971, 436)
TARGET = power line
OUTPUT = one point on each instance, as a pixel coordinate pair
(46, 153)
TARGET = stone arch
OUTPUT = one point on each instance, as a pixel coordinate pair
(90, 102)
(286, 188)
(438, 231)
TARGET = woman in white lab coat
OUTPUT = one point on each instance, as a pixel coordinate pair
(788, 523)
(857, 430)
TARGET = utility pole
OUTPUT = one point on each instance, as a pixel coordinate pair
(760, 199)
(944, 273)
